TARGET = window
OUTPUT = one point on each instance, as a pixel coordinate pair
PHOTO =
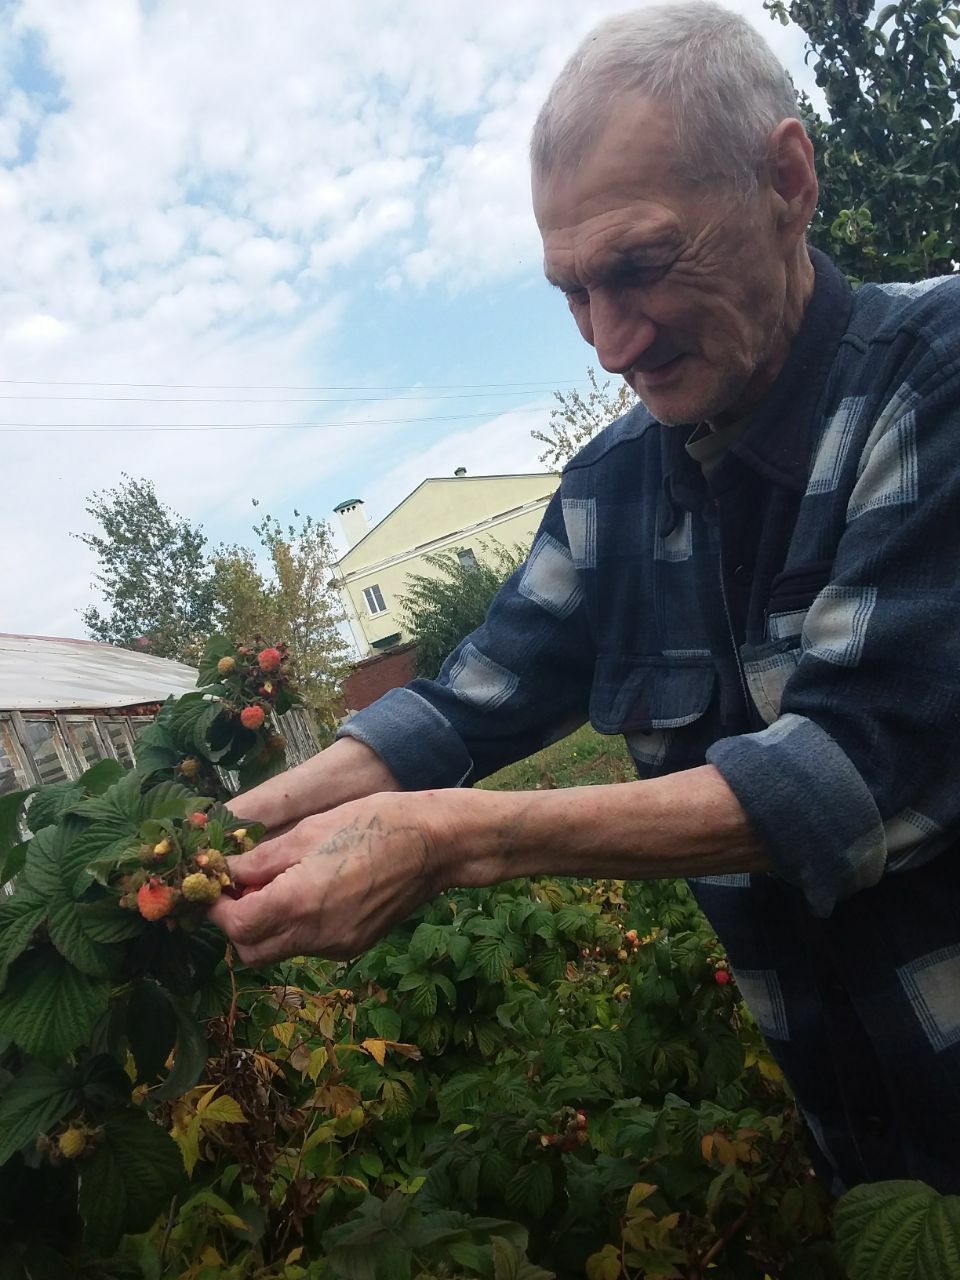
(466, 557)
(374, 598)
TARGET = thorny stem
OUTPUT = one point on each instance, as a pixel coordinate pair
(232, 1013)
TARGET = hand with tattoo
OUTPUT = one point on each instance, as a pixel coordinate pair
(334, 883)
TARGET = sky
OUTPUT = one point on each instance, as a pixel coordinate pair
(309, 220)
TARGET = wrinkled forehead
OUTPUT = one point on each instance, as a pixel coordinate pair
(633, 158)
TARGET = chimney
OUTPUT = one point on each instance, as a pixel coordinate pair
(353, 520)
(460, 471)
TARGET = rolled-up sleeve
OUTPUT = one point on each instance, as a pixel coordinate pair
(519, 681)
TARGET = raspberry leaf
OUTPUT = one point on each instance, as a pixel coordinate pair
(48, 1007)
(20, 916)
(34, 1101)
(129, 1180)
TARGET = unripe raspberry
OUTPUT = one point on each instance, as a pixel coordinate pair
(721, 977)
(269, 659)
(581, 1120)
(621, 954)
(198, 820)
(155, 899)
(189, 768)
(198, 888)
(252, 717)
(226, 666)
(276, 743)
(631, 935)
(71, 1143)
(211, 860)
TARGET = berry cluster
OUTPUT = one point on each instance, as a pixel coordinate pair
(184, 871)
(569, 1131)
(253, 682)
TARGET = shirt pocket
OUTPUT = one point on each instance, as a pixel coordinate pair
(655, 703)
(768, 666)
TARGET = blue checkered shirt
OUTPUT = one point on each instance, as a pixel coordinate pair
(794, 619)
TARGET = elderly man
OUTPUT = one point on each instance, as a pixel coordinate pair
(751, 576)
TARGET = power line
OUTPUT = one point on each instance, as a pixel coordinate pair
(199, 386)
(82, 427)
(470, 395)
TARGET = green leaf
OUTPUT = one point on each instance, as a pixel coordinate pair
(36, 1099)
(20, 916)
(48, 1007)
(385, 1022)
(168, 800)
(11, 807)
(899, 1230)
(50, 802)
(128, 1181)
(118, 807)
(190, 1056)
(885, 14)
(190, 721)
(511, 1263)
(531, 1188)
(68, 934)
(476, 1257)
(493, 957)
(106, 921)
(217, 647)
(102, 775)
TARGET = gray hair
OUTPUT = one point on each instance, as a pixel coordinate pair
(726, 88)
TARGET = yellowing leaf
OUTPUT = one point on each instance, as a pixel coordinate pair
(377, 1049)
(318, 1060)
(293, 1256)
(223, 1110)
(604, 1265)
(639, 1192)
(210, 1258)
(283, 1031)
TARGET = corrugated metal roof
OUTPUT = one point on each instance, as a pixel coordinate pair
(40, 673)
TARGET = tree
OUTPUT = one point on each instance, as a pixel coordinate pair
(441, 607)
(888, 156)
(579, 418)
(292, 603)
(152, 572)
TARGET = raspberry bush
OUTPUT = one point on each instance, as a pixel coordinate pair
(547, 1078)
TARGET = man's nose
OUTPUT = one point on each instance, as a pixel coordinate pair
(620, 333)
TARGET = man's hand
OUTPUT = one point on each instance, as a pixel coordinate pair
(338, 881)
(335, 882)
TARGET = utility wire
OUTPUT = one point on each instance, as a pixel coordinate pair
(78, 427)
(470, 395)
(199, 386)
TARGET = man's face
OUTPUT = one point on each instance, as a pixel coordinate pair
(680, 290)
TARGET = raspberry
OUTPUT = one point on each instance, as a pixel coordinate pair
(252, 717)
(581, 1120)
(189, 768)
(71, 1143)
(721, 977)
(226, 666)
(269, 659)
(155, 899)
(198, 820)
(198, 888)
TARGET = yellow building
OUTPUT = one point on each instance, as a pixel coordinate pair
(470, 516)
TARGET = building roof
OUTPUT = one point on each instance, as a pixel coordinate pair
(43, 673)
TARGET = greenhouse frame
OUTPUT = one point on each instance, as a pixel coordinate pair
(65, 704)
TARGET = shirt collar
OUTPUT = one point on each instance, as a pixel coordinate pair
(778, 442)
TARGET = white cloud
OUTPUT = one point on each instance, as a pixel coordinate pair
(192, 193)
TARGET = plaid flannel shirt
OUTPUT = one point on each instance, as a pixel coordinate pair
(795, 620)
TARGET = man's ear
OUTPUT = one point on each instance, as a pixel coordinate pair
(792, 176)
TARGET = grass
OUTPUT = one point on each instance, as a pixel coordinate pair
(585, 758)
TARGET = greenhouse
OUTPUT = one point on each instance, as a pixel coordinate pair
(65, 704)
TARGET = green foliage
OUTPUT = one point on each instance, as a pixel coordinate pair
(152, 572)
(889, 151)
(439, 608)
(898, 1231)
(579, 418)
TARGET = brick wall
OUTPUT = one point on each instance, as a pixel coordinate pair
(374, 676)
